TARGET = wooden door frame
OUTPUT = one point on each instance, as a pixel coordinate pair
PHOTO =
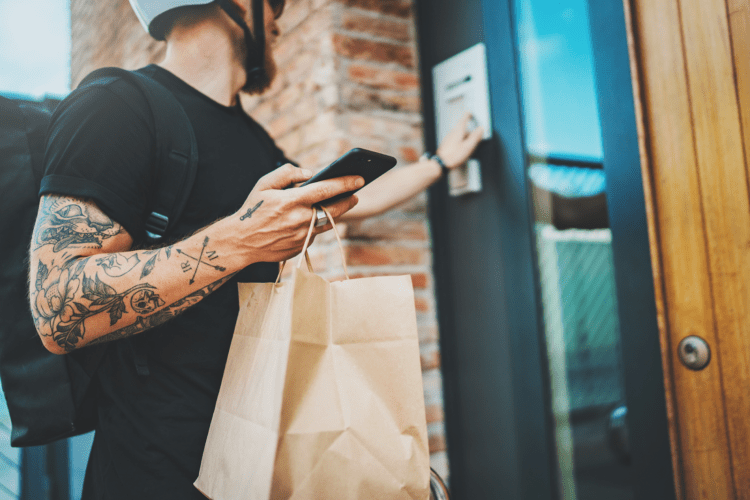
(692, 82)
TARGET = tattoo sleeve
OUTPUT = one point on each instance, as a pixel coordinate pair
(85, 283)
(143, 323)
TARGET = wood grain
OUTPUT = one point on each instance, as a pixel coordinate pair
(673, 145)
(723, 176)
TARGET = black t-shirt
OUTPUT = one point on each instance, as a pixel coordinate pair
(152, 429)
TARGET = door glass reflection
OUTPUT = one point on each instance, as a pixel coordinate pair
(575, 266)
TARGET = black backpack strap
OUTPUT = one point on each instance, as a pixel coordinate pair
(176, 150)
(176, 164)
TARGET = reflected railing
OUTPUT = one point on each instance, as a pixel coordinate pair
(581, 325)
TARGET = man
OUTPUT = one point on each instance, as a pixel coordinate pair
(92, 281)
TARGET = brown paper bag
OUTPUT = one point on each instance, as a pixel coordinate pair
(322, 395)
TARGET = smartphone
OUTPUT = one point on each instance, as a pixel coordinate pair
(367, 164)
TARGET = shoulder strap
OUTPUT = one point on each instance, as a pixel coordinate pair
(176, 149)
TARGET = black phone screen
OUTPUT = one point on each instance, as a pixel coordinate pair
(367, 164)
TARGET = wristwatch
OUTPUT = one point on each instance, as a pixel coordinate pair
(429, 156)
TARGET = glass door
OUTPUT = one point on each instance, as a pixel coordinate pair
(551, 359)
(575, 265)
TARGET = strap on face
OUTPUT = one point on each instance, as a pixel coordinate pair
(255, 43)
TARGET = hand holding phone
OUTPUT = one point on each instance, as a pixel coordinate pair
(367, 164)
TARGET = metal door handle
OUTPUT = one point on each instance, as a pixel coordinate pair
(694, 352)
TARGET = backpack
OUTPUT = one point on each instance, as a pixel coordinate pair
(51, 397)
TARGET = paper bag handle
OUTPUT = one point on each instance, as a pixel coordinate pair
(304, 251)
(309, 237)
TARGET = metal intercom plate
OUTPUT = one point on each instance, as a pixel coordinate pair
(461, 85)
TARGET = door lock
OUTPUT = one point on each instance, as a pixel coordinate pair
(694, 352)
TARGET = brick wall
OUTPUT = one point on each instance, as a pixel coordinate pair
(347, 78)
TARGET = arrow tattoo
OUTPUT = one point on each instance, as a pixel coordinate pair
(250, 211)
(203, 249)
(218, 268)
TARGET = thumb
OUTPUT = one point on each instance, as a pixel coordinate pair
(283, 177)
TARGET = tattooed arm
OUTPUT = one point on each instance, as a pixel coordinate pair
(88, 286)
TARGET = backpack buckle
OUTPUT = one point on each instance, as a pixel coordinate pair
(156, 225)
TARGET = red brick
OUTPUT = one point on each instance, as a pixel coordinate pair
(387, 228)
(381, 78)
(299, 114)
(406, 80)
(366, 124)
(394, 29)
(421, 305)
(319, 259)
(295, 12)
(409, 154)
(299, 68)
(365, 99)
(264, 112)
(323, 153)
(372, 143)
(304, 36)
(368, 50)
(399, 8)
(290, 95)
(367, 255)
(434, 413)
(277, 85)
(436, 443)
(321, 129)
(430, 357)
(342, 146)
(328, 96)
(427, 333)
(419, 281)
(415, 206)
(397, 102)
(249, 102)
(290, 143)
(310, 159)
(278, 126)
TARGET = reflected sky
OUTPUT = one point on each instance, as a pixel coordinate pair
(561, 116)
(34, 47)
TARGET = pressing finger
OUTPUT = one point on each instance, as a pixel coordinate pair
(475, 137)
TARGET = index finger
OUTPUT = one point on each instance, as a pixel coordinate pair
(323, 190)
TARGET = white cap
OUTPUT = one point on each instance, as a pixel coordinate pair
(148, 10)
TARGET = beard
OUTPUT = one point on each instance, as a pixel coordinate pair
(259, 85)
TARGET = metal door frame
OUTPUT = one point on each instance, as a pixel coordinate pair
(518, 460)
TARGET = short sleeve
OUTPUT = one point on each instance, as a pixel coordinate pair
(100, 146)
